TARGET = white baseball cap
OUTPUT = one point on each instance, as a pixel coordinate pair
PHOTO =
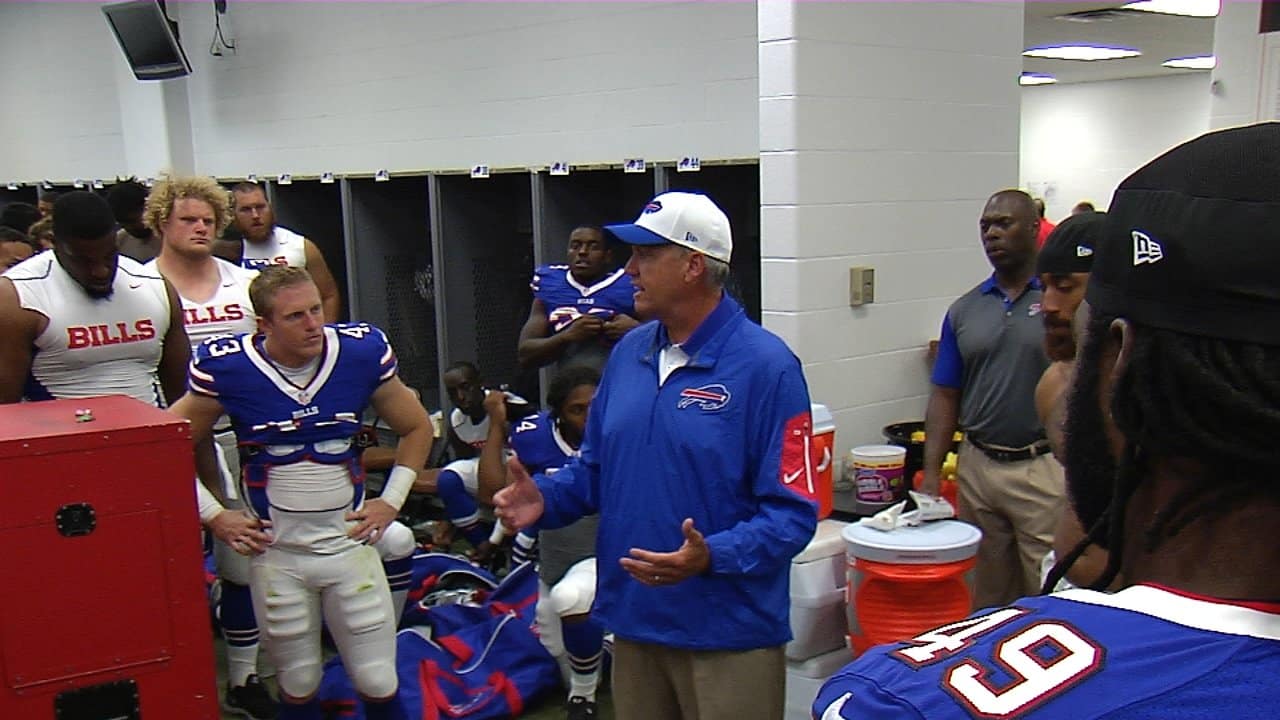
(687, 219)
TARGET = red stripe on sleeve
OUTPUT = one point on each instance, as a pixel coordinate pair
(796, 470)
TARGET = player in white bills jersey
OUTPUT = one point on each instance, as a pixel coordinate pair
(567, 570)
(458, 483)
(81, 321)
(266, 243)
(296, 393)
(580, 309)
(185, 215)
(1170, 444)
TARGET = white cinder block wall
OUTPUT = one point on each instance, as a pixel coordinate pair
(884, 127)
(1083, 139)
(410, 86)
(60, 117)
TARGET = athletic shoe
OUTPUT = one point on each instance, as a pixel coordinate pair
(580, 708)
(251, 700)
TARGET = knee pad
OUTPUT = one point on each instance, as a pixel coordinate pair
(300, 681)
(374, 679)
(576, 591)
(396, 542)
(571, 598)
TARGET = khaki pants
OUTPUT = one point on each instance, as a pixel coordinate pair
(1017, 506)
(654, 682)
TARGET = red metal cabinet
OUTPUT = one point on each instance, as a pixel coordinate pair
(103, 612)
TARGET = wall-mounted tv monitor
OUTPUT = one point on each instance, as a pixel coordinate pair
(147, 39)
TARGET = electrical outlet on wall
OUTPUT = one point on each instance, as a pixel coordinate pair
(862, 285)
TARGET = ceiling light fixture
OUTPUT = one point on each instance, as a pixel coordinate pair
(1187, 8)
(1080, 52)
(1202, 62)
(1031, 78)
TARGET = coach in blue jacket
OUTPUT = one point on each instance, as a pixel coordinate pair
(698, 459)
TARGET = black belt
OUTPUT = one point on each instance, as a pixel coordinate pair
(1008, 455)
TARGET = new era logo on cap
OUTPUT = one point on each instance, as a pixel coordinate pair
(1083, 251)
(687, 219)
(1145, 250)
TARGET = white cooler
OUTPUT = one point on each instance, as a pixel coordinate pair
(819, 620)
(805, 679)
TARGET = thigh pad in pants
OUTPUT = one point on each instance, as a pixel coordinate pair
(288, 611)
(361, 619)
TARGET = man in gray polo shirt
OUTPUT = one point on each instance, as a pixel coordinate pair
(990, 357)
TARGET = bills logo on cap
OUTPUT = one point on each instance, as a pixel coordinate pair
(1145, 250)
(653, 207)
(708, 397)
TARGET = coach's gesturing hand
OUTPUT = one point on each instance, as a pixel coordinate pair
(655, 568)
(519, 504)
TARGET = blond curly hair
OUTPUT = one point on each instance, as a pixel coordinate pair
(172, 189)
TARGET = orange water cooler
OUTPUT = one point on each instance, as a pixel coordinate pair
(824, 441)
(908, 580)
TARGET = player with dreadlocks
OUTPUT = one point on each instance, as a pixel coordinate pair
(1170, 455)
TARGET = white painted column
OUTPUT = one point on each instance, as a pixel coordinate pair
(155, 115)
(155, 123)
(1237, 80)
(884, 127)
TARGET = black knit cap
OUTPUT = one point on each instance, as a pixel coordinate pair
(1190, 242)
(1069, 248)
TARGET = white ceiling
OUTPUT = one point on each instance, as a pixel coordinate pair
(1159, 37)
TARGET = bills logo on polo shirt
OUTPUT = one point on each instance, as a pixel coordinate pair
(708, 397)
(1034, 310)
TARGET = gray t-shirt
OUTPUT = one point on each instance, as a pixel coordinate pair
(140, 250)
(1001, 350)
